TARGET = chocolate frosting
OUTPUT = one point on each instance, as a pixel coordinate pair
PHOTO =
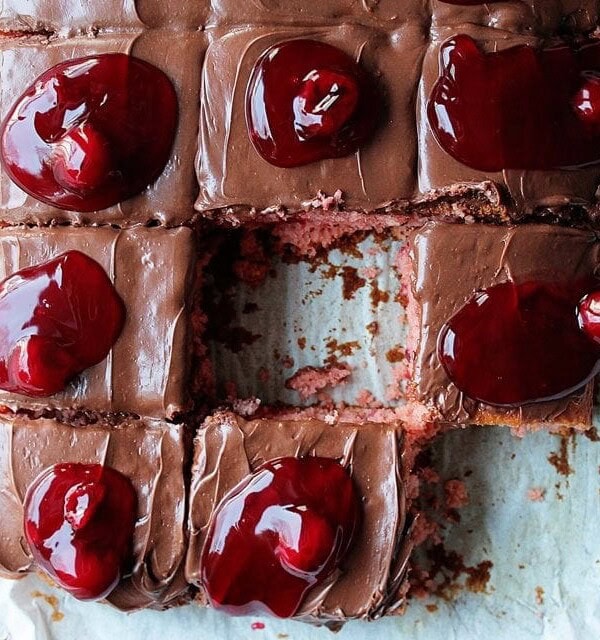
(368, 584)
(379, 12)
(69, 17)
(146, 373)
(543, 17)
(170, 199)
(151, 454)
(450, 263)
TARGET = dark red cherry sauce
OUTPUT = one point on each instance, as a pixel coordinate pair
(91, 132)
(515, 344)
(79, 523)
(507, 110)
(280, 532)
(308, 101)
(56, 320)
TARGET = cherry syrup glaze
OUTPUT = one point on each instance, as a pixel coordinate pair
(56, 320)
(515, 344)
(506, 109)
(79, 523)
(91, 132)
(308, 101)
(280, 532)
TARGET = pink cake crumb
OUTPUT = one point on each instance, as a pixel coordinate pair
(247, 407)
(456, 494)
(536, 494)
(366, 399)
(425, 530)
(308, 381)
(429, 475)
(369, 273)
(287, 362)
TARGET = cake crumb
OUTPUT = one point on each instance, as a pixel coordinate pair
(287, 362)
(560, 459)
(456, 494)
(395, 355)
(332, 418)
(308, 381)
(536, 494)
(246, 408)
(264, 374)
(539, 596)
(52, 601)
(369, 273)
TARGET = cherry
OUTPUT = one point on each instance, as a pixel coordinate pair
(82, 501)
(305, 548)
(90, 132)
(515, 344)
(281, 531)
(39, 367)
(79, 524)
(589, 315)
(81, 160)
(56, 320)
(308, 101)
(505, 109)
(587, 100)
(325, 103)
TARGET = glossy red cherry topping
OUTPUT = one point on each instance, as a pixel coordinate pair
(91, 132)
(515, 344)
(280, 532)
(308, 101)
(589, 315)
(79, 523)
(506, 109)
(56, 320)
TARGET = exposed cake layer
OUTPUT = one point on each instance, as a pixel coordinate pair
(370, 582)
(153, 269)
(152, 455)
(169, 200)
(449, 264)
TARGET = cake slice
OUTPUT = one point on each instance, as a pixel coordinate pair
(167, 197)
(148, 370)
(150, 455)
(369, 579)
(457, 270)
